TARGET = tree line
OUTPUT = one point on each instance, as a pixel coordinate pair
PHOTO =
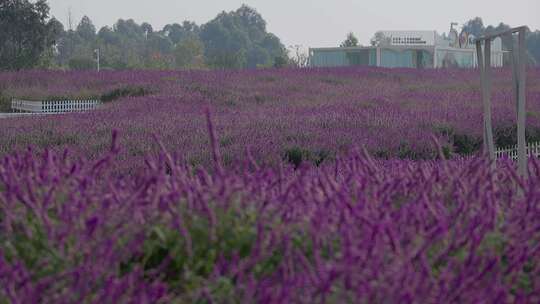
(236, 39)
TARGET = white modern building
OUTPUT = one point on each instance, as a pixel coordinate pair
(409, 49)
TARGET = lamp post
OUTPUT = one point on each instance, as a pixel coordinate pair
(97, 58)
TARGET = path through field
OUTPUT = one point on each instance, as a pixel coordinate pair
(15, 115)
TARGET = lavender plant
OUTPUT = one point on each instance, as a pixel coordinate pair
(358, 230)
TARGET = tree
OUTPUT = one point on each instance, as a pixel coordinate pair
(280, 62)
(533, 45)
(475, 27)
(239, 39)
(350, 41)
(108, 36)
(252, 22)
(55, 33)
(147, 28)
(259, 57)
(227, 59)
(86, 29)
(81, 64)
(157, 52)
(276, 50)
(159, 43)
(236, 39)
(132, 44)
(189, 54)
(129, 29)
(506, 40)
(225, 42)
(176, 32)
(25, 33)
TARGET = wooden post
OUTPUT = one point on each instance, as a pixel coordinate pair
(480, 60)
(515, 74)
(484, 64)
(521, 100)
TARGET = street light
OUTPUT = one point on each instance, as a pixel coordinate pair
(97, 58)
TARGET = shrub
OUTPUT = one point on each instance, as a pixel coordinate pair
(5, 103)
(320, 157)
(280, 62)
(466, 144)
(461, 144)
(82, 64)
(129, 91)
(296, 156)
(447, 151)
(506, 136)
(407, 151)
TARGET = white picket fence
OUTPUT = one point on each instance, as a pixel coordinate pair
(533, 149)
(54, 106)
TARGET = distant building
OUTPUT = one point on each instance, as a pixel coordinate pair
(409, 49)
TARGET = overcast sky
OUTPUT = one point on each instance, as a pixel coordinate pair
(311, 23)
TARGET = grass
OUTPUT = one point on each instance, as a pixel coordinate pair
(5, 104)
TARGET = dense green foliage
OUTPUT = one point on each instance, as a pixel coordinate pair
(26, 34)
(236, 39)
(240, 39)
(5, 104)
(128, 91)
(533, 43)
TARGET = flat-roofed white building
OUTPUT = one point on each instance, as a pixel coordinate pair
(409, 49)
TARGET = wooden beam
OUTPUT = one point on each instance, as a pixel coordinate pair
(480, 55)
(522, 154)
(489, 144)
(502, 33)
(515, 73)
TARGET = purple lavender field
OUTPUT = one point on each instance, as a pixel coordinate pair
(321, 113)
(296, 186)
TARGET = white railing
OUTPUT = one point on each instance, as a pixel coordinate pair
(532, 149)
(54, 106)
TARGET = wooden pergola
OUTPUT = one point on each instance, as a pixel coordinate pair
(519, 60)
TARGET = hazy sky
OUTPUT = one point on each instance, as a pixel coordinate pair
(311, 23)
